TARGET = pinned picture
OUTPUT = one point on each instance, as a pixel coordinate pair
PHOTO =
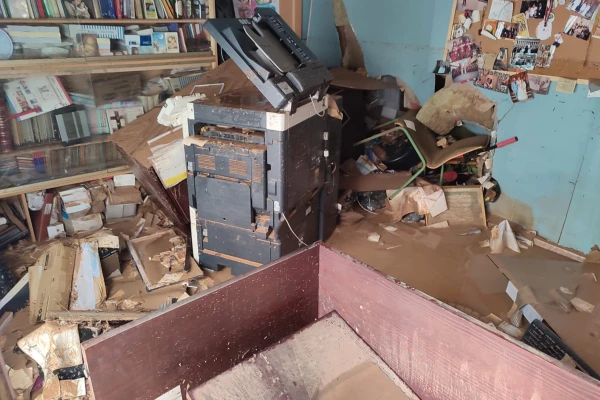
(534, 9)
(544, 57)
(539, 84)
(463, 5)
(458, 31)
(506, 30)
(522, 28)
(465, 70)
(519, 87)
(597, 33)
(493, 80)
(501, 63)
(501, 10)
(442, 67)
(460, 48)
(524, 53)
(579, 27)
(585, 8)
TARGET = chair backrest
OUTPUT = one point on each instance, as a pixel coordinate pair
(426, 143)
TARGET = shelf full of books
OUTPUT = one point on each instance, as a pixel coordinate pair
(104, 9)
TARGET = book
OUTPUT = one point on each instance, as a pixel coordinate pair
(18, 9)
(119, 117)
(98, 120)
(76, 9)
(182, 40)
(40, 7)
(172, 42)
(103, 31)
(88, 45)
(29, 97)
(72, 126)
(108, 9)
(118, 10)
(61, 9)
(139, 8)
(159, 43)
(41, 218)
(150, 9)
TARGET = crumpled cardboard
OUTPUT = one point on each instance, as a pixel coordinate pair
(124, 195)
(423, 200)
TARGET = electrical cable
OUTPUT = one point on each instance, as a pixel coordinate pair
(291, 230)
(312, 100)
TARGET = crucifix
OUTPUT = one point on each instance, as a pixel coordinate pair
(117, 118)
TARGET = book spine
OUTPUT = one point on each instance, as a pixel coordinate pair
(61, 9)
(118, 11)
(97, 9)
(108, 9)
(40, 7)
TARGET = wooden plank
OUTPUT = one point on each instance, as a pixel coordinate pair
(439, 352)
(96, 315)
(465, 207)
(58, 21)
(558, 250)
(201, 337)
(69, 180)
(8, 212)
(97, 65)
(28, 217)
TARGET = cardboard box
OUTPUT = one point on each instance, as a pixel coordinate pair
(83, 224)
(98, 207)
(105, 89)
(76, 202)
(124, 180)
(56, 230)
(117, 211)
(76, 194)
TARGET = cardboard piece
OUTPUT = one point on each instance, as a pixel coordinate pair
(88, 291)
(124, 180)
(420, 199)
(56, 230)
(124, 195)
(502, 236)
(85, 223)
(50, 280)
(465, 207)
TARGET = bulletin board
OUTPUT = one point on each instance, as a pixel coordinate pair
(575, 58)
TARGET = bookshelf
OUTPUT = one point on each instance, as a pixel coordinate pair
(90, 157)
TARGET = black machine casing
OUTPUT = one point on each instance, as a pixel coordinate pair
(244, 176)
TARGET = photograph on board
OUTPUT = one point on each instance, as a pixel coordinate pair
(465, 70)
(534, 9)
(463, 5)
(539, 84)
(501, 63)
(544, 56)
(578, 27)
(524, 53)
(518, 87)
(460, 48)
(585, 8)
(493, 80)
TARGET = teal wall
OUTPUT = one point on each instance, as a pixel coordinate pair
(551, 178)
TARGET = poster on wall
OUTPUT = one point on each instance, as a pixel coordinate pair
(245, 8)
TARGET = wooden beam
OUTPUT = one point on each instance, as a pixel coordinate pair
(70, 180)
(96, 315)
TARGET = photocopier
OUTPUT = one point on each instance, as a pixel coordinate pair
(262, 161)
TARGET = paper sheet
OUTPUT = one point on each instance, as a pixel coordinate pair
(566, 85)
(501, 10)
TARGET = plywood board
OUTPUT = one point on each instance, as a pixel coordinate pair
(575, 58)
(324, 361)
(199, 338)
(465, 207)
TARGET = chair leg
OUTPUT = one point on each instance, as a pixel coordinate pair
(442, 176)
(419, 172)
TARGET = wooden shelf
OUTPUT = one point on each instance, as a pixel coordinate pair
(67, 180)
(11, 69)
(55, 21)
(54, 145)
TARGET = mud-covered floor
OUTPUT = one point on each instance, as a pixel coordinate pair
(449, 267)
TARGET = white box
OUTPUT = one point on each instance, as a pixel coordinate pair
(119, 211)
(75, 209)
(83, 224)
(124, 180)
(79, 194)
(56, 230)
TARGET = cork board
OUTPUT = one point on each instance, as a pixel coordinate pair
(575, 58)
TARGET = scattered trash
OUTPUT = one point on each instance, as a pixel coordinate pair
(429, 199)
(373, 237)
(439, 225)
(473, 231)
(510, 330)
(582, 305)
(390, 228)
(502, 236)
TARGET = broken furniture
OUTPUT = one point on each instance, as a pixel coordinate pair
(432, 156)
(440, 353)
(261, 181)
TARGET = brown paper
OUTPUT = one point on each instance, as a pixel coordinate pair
(125, 195)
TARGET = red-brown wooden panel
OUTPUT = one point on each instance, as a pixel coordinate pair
(439, 353)
(201, 337)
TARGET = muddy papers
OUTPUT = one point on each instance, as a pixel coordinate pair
(493, 80)
(422, 200)
(503, 237)
(519, 88)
